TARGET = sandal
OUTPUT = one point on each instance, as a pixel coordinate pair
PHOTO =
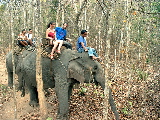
(52, 57)
(58, 51)
(95, 58)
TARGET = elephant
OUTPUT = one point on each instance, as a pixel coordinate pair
(18, 58)
(62, 73)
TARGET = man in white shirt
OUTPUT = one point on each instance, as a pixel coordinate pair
(29, 36)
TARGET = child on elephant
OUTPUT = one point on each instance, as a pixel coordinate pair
(82, 46)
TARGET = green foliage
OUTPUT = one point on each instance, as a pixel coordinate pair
(130, 103)
(142, 74)
(82, 91)
(2, 8)
(49, 118)
(125, 110)
(102, 96)
(147, 60)
(155, 6)
(3, 89)
(95, 92)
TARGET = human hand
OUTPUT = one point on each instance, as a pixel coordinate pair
(68, 40)
(86, 50)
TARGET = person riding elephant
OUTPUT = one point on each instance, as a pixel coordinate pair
(62, 73)
(82, 46)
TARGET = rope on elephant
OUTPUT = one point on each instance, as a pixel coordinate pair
(62, 64)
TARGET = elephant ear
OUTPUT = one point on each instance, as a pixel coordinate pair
(75, 71)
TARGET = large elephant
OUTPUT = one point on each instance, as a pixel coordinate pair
(18, 58)
(62, 73)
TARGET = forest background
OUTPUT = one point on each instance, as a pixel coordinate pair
(125, 34)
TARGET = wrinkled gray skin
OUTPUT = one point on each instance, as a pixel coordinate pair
(18, 62)
(70, 68)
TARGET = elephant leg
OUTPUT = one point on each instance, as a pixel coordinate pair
(21, 84)
(47, 92)
(113, 106)
(62, 94)
(70, 91)
(33, 96)
(10, 79)
(20, 80)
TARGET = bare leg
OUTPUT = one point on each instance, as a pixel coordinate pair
(95, 58)
(51, 43)
(60, 45)
(23, 43)
(30, 41)
(53, 49)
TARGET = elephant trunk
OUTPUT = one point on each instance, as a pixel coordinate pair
(101, 80)
(113, 106)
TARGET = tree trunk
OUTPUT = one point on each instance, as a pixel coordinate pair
(13, 50)
(41, 96)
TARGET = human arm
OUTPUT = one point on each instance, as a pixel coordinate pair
(68, 39)
(47, 32)
(82, 43)
(25, 38)
(55, 37)
(84, 47)
(19, 38)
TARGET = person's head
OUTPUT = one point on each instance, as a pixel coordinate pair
(84, 33)
(30, 31)
(65, 25)
(23, 31)
(51, 24)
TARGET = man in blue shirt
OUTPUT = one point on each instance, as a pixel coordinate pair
(82, 46)
(61, 33)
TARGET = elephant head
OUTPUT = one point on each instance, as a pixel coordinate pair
(84, 69)
(80, 68)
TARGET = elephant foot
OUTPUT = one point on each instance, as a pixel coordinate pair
(21, 88)
(62, 117)
(33, 103)
(47, 93)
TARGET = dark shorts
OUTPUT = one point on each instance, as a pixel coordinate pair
(22, 41)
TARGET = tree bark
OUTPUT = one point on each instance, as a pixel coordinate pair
(41, 96)
(79, 13)
(13, 50)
